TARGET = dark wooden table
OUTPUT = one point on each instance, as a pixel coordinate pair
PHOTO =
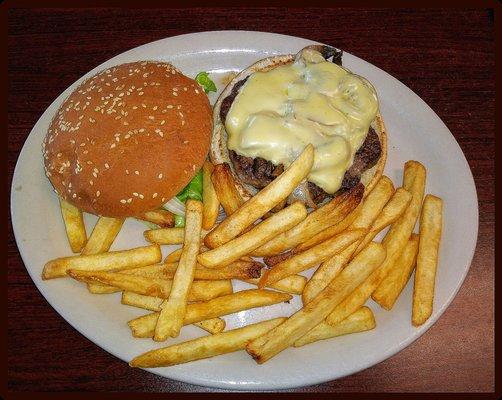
(446, 56)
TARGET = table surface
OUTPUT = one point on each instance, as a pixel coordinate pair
(445, 56)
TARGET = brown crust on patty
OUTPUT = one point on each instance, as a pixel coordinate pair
(128, 139)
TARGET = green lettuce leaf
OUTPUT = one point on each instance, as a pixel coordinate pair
(205, 81)
(193, 190)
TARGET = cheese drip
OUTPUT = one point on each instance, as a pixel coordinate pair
(278, 112)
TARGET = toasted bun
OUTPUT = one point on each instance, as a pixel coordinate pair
(219, 151)
(128, 139)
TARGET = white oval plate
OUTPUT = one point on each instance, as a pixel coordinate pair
(415, 132)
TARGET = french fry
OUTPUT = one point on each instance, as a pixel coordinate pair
(74, 224)
(400, 231)
(329, 232)
(294, 284)
(370, 207)
(360, 321)
(268, 345)
(204, 347)
(113, 260)
(173, 309)
(276, 259)
(168, 235)
(260, 234)
(322, 218)
(209, 198)
(98, 288)
(263, 201)
(213, 325)
(393, 284)
(307, 259)
(104, 233)
(431, 221)
(199, 291)
(390, 213)
(160, 217)
(326, 272)
(244, 300)
(237, 270)
(226, 191)
(174, 256)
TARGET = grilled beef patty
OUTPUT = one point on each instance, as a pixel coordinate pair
(259, 172)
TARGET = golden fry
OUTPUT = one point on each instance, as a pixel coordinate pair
(199, 291)
(104, 233)
(263, 201)
(74, 224)
(226, 191)
(393, 284)
(174, 256)
(268, 345)
(204, 347)
(257, 236)
(313, 256)
(113, 260)
(173, 309)
(322, 218)
(162, 218)
(210, 199)
(360, 321)
(431, 222)
(294, 284)
(213, 325)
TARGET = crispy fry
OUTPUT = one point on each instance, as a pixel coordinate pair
(369, 209)
(74, 224)
(160, 217)
(326, 272)
(260, 234)
(174, 256)
(113, 260)
(263, 201)
(360, 321)
(393, 284)
(199, 291)
(209, 198)
(390, 213)
(400, 232)
(294, 284)
(226, 191)
(431, 222)
(331, 231)
(322, 218)
(213, 325)
(266, 346)
(104, 233)
(237, 270)
(204, 347)
(272, 260)
(307, 259)
(173, 309)
(244, 300)
(98, 288)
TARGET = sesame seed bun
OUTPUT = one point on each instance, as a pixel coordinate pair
(128, 139)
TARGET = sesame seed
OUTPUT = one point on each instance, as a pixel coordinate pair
(135, 194)
(163, 122)
(154, 195)
(141, 196)
(129, 200)
(127, 171)
(160, 176)
(155, 108)
(151, 117)
(107, 166)
(94, 175)
(74, 195)
(123, 201)
(136, 172)
(91, 182)
(112, 146)
(98, 193)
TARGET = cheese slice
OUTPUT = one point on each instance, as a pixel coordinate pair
(278, 112)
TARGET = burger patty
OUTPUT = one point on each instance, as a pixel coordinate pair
(259, 172)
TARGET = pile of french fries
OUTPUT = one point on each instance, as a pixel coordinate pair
(266, 244)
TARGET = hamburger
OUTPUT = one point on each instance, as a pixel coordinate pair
(271, 110)
(128, 139)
